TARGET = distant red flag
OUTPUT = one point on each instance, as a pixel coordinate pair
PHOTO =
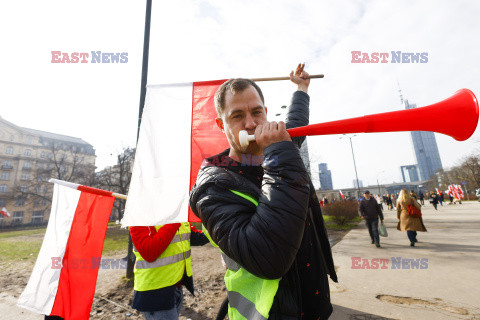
(341, 194)
(4, 212)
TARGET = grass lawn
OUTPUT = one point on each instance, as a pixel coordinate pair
(25, 244)
(330, 224)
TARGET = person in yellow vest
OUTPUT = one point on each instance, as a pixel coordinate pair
(259, 207)
(163, 265)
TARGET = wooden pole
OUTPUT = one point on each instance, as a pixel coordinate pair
(313, 76)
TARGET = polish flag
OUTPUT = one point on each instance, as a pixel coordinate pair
(178, 131)
(4, 212)
(438, 192)
(63, 279)
(341, 194)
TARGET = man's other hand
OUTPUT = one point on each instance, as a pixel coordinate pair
(300, 78)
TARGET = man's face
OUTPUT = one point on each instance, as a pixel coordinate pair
(367, 195)
(243, 111)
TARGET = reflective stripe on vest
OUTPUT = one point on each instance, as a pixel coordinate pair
(169, 268)
(249, 297)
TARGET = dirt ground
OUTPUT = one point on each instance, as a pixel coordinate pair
(113, 297)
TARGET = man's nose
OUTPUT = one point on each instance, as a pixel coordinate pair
(250, 123)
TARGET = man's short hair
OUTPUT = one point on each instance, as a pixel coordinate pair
(367, 192)
(235, 86)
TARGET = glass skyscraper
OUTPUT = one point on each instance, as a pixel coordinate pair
(325, 177)
(426, 150)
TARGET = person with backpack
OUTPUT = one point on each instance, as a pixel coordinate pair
(410, 216)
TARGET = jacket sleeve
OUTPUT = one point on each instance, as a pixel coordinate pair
(298, 114)
(361, 209)
(263, 239)
(150, 243)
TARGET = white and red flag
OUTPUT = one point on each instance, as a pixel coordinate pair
(63, 279)
(438, 192)
(178, 131)
(4, 212)
(341, 194)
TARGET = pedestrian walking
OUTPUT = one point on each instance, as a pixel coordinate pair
(421, 197)
(440, 198)
(408, 222)
(434, 199)
(370, 211)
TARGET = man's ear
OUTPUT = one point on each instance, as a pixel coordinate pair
(266, 110)
(219, 123)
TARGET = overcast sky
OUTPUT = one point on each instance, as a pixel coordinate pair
(208, 40)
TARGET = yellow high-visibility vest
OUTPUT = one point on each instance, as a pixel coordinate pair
(168, 269)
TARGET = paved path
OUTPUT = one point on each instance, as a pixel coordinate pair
(447, 287)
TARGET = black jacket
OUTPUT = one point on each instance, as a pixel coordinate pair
(274, 239)
(369, 209)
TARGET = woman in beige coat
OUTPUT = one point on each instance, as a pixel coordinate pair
(408, 223)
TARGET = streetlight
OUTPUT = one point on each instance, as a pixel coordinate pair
(354, 164)
(378, 183)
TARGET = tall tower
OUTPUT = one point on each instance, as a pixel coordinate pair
(426, 149)
(325, 176)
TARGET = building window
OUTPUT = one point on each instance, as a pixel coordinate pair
(12, 137)
(17, 217)
(27, 165)
(20, 202)
(37, 189)
(5, 176)
(29, 140)
(40, 166)
(25, 176)
(3, 188)
(27, 152)
(44, 202)
(3, 202)
(7, 163)
(37, 216)
(42, 154)
(9, 150)
(23, 188)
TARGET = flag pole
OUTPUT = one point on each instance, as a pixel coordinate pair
(88, 189)
(313, 76)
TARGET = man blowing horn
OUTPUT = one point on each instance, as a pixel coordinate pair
(259, 206)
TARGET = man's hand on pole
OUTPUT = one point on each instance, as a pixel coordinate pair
(300, 78)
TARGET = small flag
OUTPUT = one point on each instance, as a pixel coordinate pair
(341, 194)
(169, 155)
(63, 279)
(5, 212)
(438, 192)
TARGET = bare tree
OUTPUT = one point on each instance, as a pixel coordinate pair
(117, 179)
(63, 162)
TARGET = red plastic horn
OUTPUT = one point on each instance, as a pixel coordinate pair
(456, 116)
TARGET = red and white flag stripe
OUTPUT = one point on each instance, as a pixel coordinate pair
(63, 279)
(4, 212)
(178, 131)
